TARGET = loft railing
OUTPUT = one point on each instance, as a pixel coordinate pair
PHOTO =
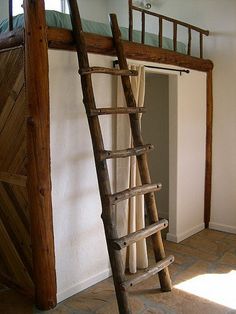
(162, 18)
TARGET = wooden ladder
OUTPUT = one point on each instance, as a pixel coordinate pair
(115, 244)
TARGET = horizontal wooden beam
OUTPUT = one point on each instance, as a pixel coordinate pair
(13, 179)
(62, 39)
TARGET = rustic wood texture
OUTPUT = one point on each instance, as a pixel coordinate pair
(119, 110)
(208, 172)
(63, 39)
(15, 244)
(160, 18)
(107, 198)
(138, 190)
(143, 28)
(14, 179)
(130, 21)
(108, 214)
(150, 201)
(160, 34)
(38, 148)
(110, 71)
(169, 19)
(139, 235)
(10, 17)
(161, 265)
(175, 29)
(11, 39)
(189, 41)
(124, 153)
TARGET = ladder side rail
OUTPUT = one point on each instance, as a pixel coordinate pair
(150, 202)
(101, 166)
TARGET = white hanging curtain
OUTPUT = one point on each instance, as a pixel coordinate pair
(130, 213)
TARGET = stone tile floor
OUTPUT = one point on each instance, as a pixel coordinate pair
(208, 252)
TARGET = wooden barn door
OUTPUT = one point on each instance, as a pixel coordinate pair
(15, 243)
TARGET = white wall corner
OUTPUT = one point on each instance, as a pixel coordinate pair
(80, 286)
(222, 227)
(182, 236)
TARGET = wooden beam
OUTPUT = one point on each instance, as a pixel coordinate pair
(38, 151)
(208, 171)
(14, 179)
(62, 39)
(12, 39)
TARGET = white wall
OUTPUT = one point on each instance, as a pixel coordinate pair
(3, 9)
(219, 17)
(81, 254)
(187, 154)
(187, 142)
(155, 128)
(94, 10)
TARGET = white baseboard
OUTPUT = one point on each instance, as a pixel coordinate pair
(61, 296)
(180, 237)
(222, 227)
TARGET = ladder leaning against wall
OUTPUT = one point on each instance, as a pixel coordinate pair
(114, 244)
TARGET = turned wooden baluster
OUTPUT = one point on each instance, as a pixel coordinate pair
(130, 20)
(10, 16)
(189, 40)
(160, 31)
(175, 36)
(143, 27)
(201, 45)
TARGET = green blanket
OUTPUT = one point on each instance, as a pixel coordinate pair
(62, 20)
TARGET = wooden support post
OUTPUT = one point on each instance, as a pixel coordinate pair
(38, 151)
(208, 173)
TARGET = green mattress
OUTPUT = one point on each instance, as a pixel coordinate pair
(62, 20)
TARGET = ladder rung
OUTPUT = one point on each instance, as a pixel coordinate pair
(139, 235)
(121, 110)
(136, 151)
(111, 71)
(148, 272)
(128, 193)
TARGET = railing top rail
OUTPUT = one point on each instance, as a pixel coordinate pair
(160, 16)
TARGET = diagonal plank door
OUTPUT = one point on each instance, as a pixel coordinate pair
(15, 243)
